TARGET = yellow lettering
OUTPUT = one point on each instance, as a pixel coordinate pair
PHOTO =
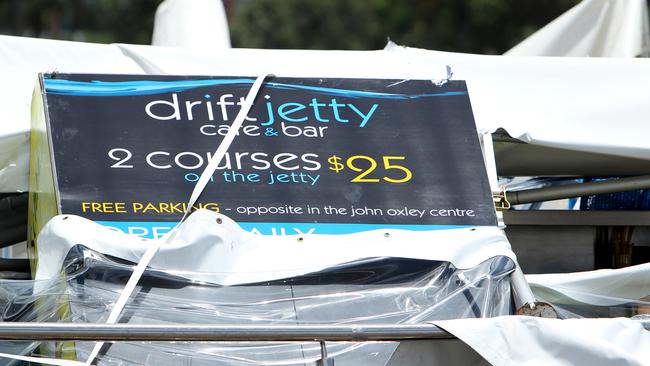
(120, 207)
(137, 206)
(108, 207)
(150, 207)
(164, 207)
(175, 207)
(212, 206)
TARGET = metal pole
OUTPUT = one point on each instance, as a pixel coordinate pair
(222, 333)
(578, 190)
(324, 360)
(523, 295)
(217, 333)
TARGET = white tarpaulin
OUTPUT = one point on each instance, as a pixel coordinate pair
(196, 24)
(602, 287)
(243, 257)
(522, 341)
(593, 28)
(570, 103)
(21, 59)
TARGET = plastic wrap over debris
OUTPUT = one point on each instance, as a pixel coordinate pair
(605, 306)
(372, 290)
(606, 293)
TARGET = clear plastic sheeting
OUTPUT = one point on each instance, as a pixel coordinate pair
(605, 306)
(606, 293)
(379, 290)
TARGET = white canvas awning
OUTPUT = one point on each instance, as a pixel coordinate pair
(593, 28)
(193, 24)
(586, 105)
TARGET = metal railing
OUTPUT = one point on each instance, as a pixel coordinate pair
(226, 333)
(218, 333)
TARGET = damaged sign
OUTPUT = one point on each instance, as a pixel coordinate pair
(324, 156)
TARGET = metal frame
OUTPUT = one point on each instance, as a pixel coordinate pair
(218, 333)
(578, 190)
(522, 294)
(576, 218)
(39, 331)
(227, 333)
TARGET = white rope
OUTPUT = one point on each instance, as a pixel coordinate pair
(43, 360)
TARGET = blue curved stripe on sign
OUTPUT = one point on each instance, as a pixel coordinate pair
(145, 87)
(152, 229)
(135, 87)
(285, 228)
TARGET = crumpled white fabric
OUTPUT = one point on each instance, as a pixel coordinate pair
(569, 103)
(21, 59)
(593, 28)
(193, 24)
(530, 341)
(602, 287)
(243, 257)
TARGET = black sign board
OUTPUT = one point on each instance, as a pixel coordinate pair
(325, 156)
